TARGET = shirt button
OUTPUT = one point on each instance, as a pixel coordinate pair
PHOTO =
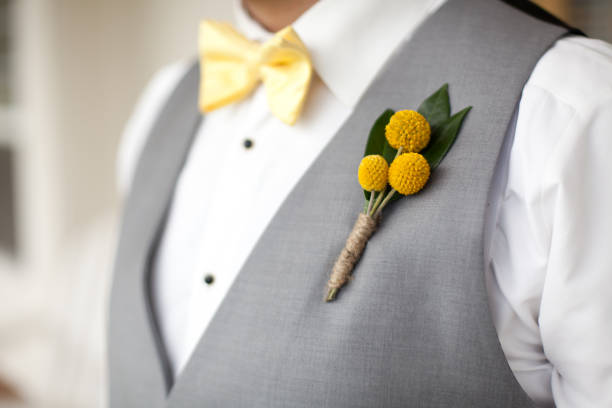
(209, 279)
(247, 143)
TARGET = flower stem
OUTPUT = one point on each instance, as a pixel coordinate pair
(370, 202)
(331, 294)
(377, 203)
(399, 151)
(386, 200)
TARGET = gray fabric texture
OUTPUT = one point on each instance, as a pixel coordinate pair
(413, 327)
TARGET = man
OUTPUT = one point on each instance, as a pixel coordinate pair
(233, 222)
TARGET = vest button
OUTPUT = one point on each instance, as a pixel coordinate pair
(247, 143)
(209, 279)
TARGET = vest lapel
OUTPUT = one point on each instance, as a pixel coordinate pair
(135, 336)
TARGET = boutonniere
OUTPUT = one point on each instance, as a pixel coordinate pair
(403, 148)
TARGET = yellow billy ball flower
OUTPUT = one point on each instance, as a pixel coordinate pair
(408, 173)
(409, 129)
(372, 173)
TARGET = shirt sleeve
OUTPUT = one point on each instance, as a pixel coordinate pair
(142, 119)
(551, 253)
(576, 312)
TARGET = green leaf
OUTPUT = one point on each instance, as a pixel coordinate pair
(376, 139)
(377, 142)
(389, 152)
(436, 108)
(446, 135)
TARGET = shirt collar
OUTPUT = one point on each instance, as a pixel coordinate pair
(250, 28)
(346, 56)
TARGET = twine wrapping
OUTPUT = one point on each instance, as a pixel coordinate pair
(355, 244)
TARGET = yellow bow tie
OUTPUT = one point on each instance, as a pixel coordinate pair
(231, 66)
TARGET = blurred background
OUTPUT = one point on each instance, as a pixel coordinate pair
(70, 74)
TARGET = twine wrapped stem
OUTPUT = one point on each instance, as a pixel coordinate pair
(355, 244)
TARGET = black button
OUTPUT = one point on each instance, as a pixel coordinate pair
(209, 279)
(247, 143)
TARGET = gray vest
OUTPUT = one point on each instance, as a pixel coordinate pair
(413, 329)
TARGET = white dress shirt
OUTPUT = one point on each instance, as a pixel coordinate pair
(549, 265)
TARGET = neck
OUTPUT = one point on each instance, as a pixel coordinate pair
(274, 15)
